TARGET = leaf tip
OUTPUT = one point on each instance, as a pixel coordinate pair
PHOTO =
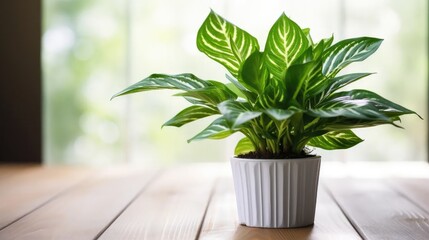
(116, 95)
(396, 125)
(213, 12)
(418, 115)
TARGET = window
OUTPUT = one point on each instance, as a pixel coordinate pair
(92, 49)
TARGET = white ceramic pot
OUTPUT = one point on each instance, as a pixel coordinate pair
(276, 193)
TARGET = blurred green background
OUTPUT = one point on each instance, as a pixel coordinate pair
(93, 49)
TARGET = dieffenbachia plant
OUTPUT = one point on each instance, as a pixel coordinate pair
(282, 98)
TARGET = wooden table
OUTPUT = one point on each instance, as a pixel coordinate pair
(197, 201)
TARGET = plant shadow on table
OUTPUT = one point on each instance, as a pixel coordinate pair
(243, 232)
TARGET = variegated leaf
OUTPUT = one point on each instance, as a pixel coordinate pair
(359, 104)
(184, 81)
(225, 43)
(333, 84)
(349, 108)
(383, 105)
(297, 79)
(341, 123)
(328, 41)
(321, 46)
(306, 31)
(244, 146)
(335, 140)
(273, 96)
(254, 74)
(250, 96)
(236, 90)
(213, 95)
(286, 42)
(280, 114)
(190, 114)
(347, 51)
(344, 104)
(216, 130)
(237, 113)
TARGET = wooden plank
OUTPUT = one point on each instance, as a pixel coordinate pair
(221, 220)
(83, 211)
(417, 190)
(330, 222)
(29, 189)
(379, 212)
(7, 170)
(171, 208)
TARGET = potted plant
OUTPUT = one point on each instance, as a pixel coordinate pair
(282, 99)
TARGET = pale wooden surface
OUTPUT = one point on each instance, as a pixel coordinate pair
(196, 201)
(20, 195)
(380, 212)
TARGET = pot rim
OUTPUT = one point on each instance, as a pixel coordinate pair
(305, 159)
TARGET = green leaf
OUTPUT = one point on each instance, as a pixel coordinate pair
(327, 42)
(215, 94)
(184, 81)
(237, 113)
(314, 57)
(306, 31)
(236, 90)
(359, 104)
(286, 42)
(190, 114)
(333, 84)
(225, 43)
(344, 106)
(383, 105)
(280, 114)
(216, 130)
(254, 74)
(244, 146)
(343, 123)
(274, 95)
(321, 46)
(250, 96)
(297, 77)
(347, 51)
(195, 101)
(335, 140)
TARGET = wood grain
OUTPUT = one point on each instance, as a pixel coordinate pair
(221, 220)
(379, 212)
(171, 208)
(193, 202)
(7, 170)
(417, 190)
(84, 210)
(29, 189)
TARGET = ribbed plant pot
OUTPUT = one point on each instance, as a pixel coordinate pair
(276, 193)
